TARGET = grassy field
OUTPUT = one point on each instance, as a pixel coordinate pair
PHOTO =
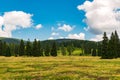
(59, 68)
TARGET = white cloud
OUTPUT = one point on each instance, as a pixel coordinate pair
(14, 20)
(55, 34)
(102, 15)
(1, 21)
(50, 38)
(38, 26)
(66, 28)
(80, 36)
(97, 38)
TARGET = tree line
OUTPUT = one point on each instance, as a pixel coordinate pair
(27, 49)
(35, 48)
(44, 48)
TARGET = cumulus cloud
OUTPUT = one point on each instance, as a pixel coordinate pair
(38, 26)
(97, 38)
(102, 15)
(14, 20)
(80, 36)
(55, 34)
(66, 28)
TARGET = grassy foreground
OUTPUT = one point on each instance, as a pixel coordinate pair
(59, 68)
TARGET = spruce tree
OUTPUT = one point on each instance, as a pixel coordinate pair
(1, 48)
(8, 52)
(39, 49)
(54, 49)
(47, 50)
(16, 50)
(21, 48)
(94, 53)
(4, 48)
(111, 52)
(117, 43)
(35, 48)
(104, 46)
(63, 50)
(28, 48)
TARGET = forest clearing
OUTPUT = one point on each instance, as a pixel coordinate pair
(59, 68)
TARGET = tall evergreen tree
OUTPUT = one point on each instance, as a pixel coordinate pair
(1, 48)
(4, 48)
(39, 49)
(111, 47)
(28, 48)
(94, 53)
(8, 52)
(47, 50)
(63, 50)
(12, 48)
(16, 50)
(21, 48)
(54, 49)
(104, 46)
(35, 48)
(117, 45)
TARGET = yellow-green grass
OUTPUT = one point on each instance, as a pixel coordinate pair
(59, 68)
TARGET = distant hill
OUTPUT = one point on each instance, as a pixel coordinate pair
(66, 42)
(75, 42)
(10, 40)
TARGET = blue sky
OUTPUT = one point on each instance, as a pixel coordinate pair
(52, 16)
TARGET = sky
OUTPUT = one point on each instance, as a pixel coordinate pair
(58, 19)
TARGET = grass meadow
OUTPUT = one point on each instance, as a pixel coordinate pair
(59, 68)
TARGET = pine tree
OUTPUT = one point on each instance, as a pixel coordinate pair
(117, 43)
(1, 48)
(35, 48)
(104, 46)
(94, 53)
(47, 50)
(39, 49)
(12, 49)
(63, 50)
(21, 48)
(112, 47)
(4, 48)
(8, 52)
(16, 50)
(54, 49)
(28, 48)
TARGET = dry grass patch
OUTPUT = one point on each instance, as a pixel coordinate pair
(59, 68)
